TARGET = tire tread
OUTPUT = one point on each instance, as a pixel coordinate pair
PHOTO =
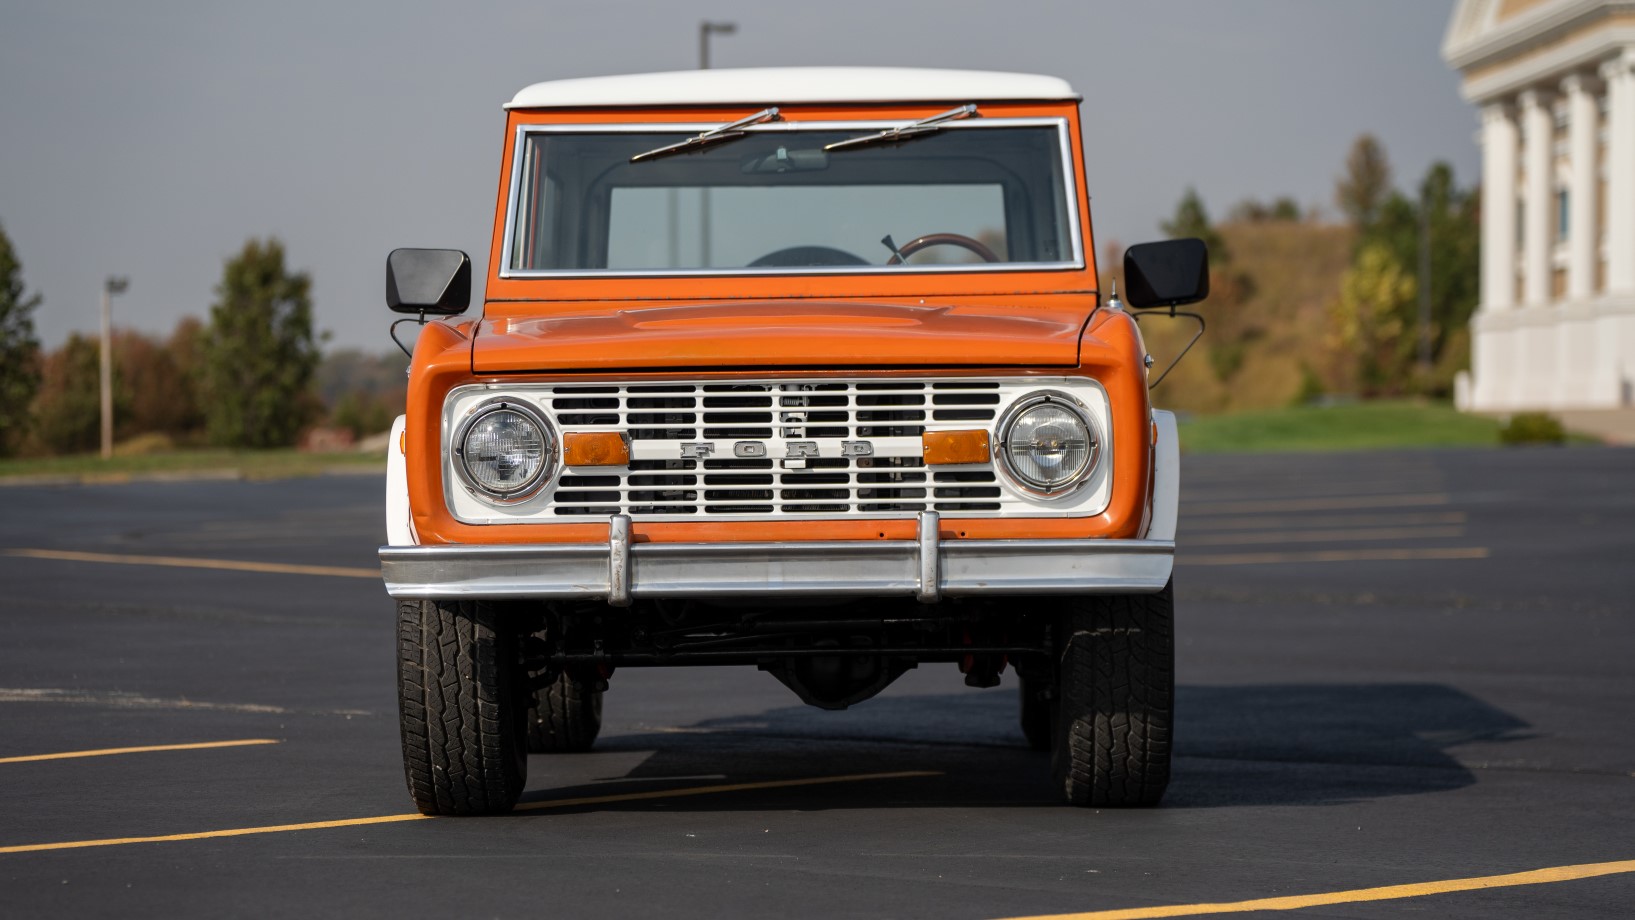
(1117, 675)
(458, 706)
(565, 717)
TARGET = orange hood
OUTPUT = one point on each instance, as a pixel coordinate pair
(840, 334)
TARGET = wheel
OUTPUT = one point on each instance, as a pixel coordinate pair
(462, 699)
(565, 717)
(943, 239)
(1036, 716)
(1116, 699)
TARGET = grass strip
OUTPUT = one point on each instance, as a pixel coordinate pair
(1380, 425)
(277, 463)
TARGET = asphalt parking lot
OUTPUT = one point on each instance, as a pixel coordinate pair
(1405, 687)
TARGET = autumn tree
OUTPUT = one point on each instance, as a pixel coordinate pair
(158, 380)
(258, 354)
(1366, 185)
(1234, 329)
(19, 349)
(68, 408)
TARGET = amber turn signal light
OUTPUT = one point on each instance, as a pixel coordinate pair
(595, 448)
(946, 447)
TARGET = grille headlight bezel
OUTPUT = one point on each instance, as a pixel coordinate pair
(548, 451)
(1006, 428)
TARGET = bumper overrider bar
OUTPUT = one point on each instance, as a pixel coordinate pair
(927, 568)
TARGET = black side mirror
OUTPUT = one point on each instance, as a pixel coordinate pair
(428, 281)
(1166, 274)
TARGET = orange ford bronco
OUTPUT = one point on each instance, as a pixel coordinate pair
(804, 369)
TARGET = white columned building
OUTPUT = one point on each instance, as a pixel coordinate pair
(1555, 82)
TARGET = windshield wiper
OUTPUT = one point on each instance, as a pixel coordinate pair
(726, 132)
(894, 135)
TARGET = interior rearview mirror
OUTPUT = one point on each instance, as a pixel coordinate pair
(1166, 274)
(784, 160)
(428, 281)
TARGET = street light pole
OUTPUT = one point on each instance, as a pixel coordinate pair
(113, 285)
(1425, 285)
(705, 30)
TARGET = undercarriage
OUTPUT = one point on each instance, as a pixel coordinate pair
(831, 655)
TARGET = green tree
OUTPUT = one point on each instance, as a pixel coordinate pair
(1364, 188)
(19, 349)
(1286, 208)
(1454, 224)
(1249, 211)
(1372, 319)
(259, 353)
(1192, 219)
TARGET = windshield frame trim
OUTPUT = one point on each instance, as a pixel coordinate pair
(514, 192)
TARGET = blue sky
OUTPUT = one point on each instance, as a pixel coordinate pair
(152, 139)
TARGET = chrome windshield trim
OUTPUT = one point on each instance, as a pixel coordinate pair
(976, 267)
(514, 190)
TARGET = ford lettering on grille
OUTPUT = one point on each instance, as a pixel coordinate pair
(792, 450)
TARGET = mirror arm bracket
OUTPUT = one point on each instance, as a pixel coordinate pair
(417, 320)
(1173, 313)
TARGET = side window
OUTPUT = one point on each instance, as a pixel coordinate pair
(532, 230)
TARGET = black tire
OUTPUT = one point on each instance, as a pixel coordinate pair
(1037, 717)
(565, 717)
(1116, 693)
(462, 698)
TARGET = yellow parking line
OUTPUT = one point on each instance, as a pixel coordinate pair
(1338, 555)
(1341, 535)
(527, 806)
(1357, 895)
(69, 755)
(231, 832)
(1338, 503)
(187, 562)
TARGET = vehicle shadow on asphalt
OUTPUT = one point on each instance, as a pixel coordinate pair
(1327, 744)
(1250, 745)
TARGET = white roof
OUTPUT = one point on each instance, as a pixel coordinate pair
(789, 85)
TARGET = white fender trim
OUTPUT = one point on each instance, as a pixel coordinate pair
(1166, 478)
(399, 525)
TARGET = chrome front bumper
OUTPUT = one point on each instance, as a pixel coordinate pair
(927, 568)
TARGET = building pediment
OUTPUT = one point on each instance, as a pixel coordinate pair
(1483, 32)
(1502, 46)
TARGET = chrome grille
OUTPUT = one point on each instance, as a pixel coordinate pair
(662, 482)
(661, 417)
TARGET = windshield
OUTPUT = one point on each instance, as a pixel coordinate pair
(974, 196)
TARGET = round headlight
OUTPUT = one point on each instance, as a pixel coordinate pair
(1048, 444)
(504, 451)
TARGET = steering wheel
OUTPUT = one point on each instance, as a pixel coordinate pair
(943, 239)
(796, 256)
